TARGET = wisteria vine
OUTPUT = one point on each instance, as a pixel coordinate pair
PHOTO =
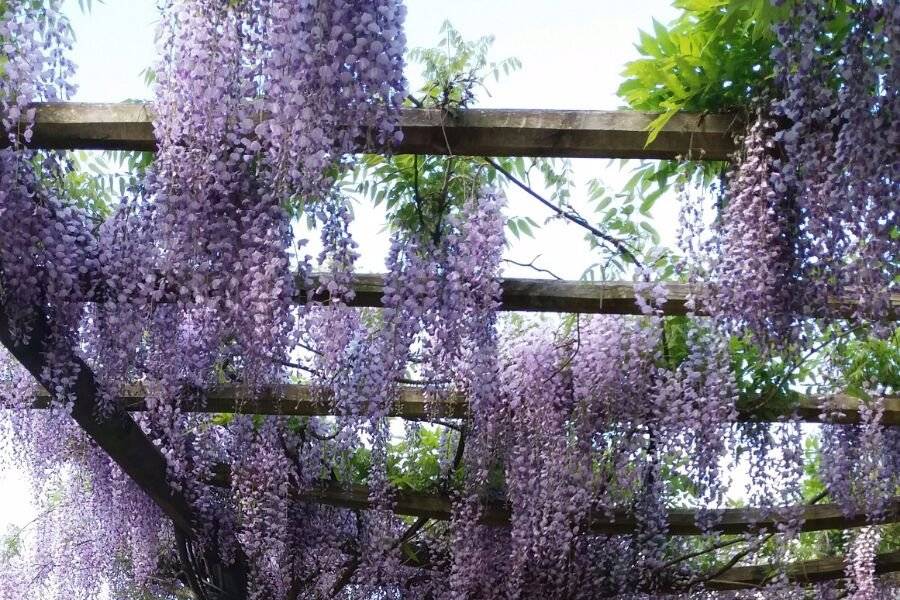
(198, 280)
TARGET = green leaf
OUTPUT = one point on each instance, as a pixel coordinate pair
(525, 228)
(649, 229)
(603, 204)
(649, 200)
(657, 124)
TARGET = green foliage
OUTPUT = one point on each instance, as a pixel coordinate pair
(97, 180)
(713, 57)
(676, 338)
(148, 74)
(87, 5)
(359, 464)
(627, 213)
(624, 214)
(415, 464)
(11, 541)
(866, 362)
(419, 192)
(455, 69)
(850, 360)
(812, 467)
(764, 382)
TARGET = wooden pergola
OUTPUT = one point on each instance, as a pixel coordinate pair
(550, 133)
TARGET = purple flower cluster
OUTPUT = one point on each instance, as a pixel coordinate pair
(95, 527)
(841, 157)
(586, 425)
(258, 104)
(194, 268)
(812, 206)
(860, 461)
(860, 566)
(332, 81)
(755, 275)
(52, 252)
(35, 37)
(263, 478)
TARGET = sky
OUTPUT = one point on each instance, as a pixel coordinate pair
(572, 54)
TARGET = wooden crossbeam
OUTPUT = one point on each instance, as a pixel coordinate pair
(474, 132)
(118, 435)
(518, 294)
(736, 578)
(585, 297)
(530, 295)
(734, 521)
(541, 295)
(802, 572)
(411, 403)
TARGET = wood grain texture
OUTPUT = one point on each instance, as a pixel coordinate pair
(301, 400)
(476, 132)
(737, 578)
(565, 296)
(735, 521)
(803, 572)
(525, 295)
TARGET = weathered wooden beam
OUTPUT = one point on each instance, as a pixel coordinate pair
(528, 295)
(475, 132)
(518, 294)
(844, 409)
(585, 297)
(729, 521)
(803, 572)
(737, 578)
(734, 521)
(542, 295)
(118, 435)
(302, 400)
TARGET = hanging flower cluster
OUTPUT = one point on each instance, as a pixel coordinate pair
(811, 208)
(861, 564)
(860, 462)
(577, 442)
(757, 268)
(332, 77)
(258, 103)
(811, 217)
(53, 252)
(196, 267)
(49, 256)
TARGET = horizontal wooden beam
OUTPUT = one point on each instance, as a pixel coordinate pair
(542, 295)
(565, 296)
(474, 132)
(733, 521)
(411, 403)
(528, 295)
(518, 294)
(421, 555)
(803, 572)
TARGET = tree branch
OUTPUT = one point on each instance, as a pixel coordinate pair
(568, 215)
